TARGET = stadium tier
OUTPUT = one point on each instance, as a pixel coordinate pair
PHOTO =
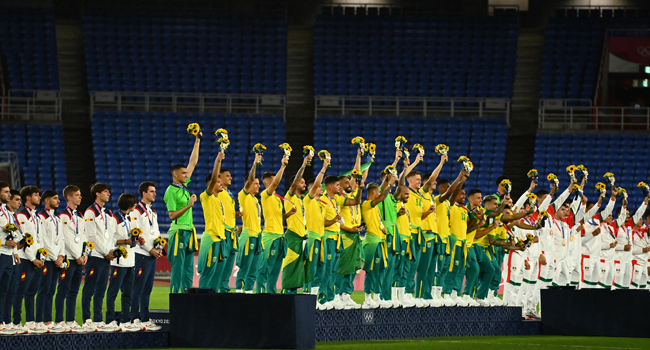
(150, 143)
(620, 154)
(41, 153)
(185, 52)
(28, 44)
(414, 56)
(572, 53)
(483, 140)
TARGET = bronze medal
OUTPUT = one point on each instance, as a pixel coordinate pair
(572, 238)
(564, 243)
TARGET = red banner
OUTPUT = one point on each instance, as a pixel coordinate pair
(636, 50)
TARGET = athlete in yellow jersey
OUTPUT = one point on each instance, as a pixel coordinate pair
(273, 234)
(295, 270)
(230, 215)
(471, 270)
(443, 213)
(315, 215)
(404, 242)
(374, 244)
(250, 245)
(211, 260)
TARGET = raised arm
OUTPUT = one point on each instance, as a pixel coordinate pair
(383, 194)
(452, 199)
(482, 232)
(435, 173)
(562, 198)
(453, 186)
(215, 173)
(319, 179)
(408, 167)
(194, 157)
(277, 178)
(609, 208)
(522, 200)
(398, 156)
(296, 180)
(251, 175)
(357, 197)
(523, 226)
(508, 217)
(638, 215)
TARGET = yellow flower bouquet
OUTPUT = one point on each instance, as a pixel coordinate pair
(442, 149)
(553, 178)
(360, 142)
(259, 149)
(400, 141)
(323, 154)
(308, 151)
(610, 178)
(222, 139)
(390, 170)
(194, 129)
(466, 164)
(533, 174)
(583, 170)
(644, 186)
(570, 170)
(287, 150)
(507, 185)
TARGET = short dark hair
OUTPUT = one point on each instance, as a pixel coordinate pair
(426, 177)
(69, 190)
(500, 178)
(442, 182)
(311, 181)
(618, 211)
(473, 191)
(144, 187)
(48, 194)
(371, 186)
(208, 178)
(489, 198)
(647, 213)
(567, 203)
(126, 201)
(97, 188)
(589, 203)
(541, 193)
(267, 175)
(223, 170)
(28, 191)
(413, 173)
(14, 193)
(507, 206)
(344, 177)
(330, 180)
(382, 175)
(177, 167)
(3, 184)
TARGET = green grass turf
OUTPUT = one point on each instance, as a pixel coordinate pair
(492, 343)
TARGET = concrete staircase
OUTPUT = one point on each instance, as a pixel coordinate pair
(76, 105)
(523, 112)
(300, 87)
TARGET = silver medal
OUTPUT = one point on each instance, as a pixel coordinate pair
(56, 241)
(76, 239)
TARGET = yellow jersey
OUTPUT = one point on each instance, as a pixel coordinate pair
(372, 219)
(443, 213)
(272, 210)
(414, 206)
(213, 214)
(297, 221)
(459, 221)
(403, 221)
(314, 214)
(334, 206)
(252, 219)
(485, 241)
(229, 211)
(471, 235)
(430, 223)
(352, 214)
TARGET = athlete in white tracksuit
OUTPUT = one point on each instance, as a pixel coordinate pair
(641, 251)
(608, 249)
(624, 247)
(591, 242)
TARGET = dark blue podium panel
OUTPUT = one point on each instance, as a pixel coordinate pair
(254, 321)
(596, 312)
(96, 340)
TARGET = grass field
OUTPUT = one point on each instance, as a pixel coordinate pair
(493, 343)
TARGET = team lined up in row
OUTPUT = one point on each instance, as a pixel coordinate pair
(45, 253)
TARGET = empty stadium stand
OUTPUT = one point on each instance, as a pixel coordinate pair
(28, 45)
(414, 56)
(185, 52)
(131, 147)
(483, 140)
(41, 155)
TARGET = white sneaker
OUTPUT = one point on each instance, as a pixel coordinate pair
(419, 302)
(349, 303)
(369, 304)
(448, 301)
(40, 328)
(337, 303)
(470, 301)
(435, 302)
(3, 326)
(10, 329)
(494, 300)
(130, 327)
(150, 326)
(483, 303)
(103, 327)
(141, 326)
(459, 300)
(328, 305)
(320, 307)
(72, 325)
(60, 327)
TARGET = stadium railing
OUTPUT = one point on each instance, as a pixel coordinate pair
(187, 102)
(44, 105)
(561, 114)
(9, 161)
(413, 106)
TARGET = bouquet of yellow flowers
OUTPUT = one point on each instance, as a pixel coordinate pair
(356, 174)
(42, 253)
(467, 164)
(120, 252)
(194, 129)
(406, 152)
(600, 187)
(400, 141)
(27, 240)
(529, 240)
(532, 174)
(583, 170)
(442, 149)
(576, 188)
(87, 248)
(259, 149)
(507, 185)
(360, 142)
(532, 199)
(570, 170)
(390, 170)
(323, 154)
(222, 139)
(65, 263)
(610, 178)
(308, 151)
(543, 216)
(551, 177)
(287, 150)
(418, 147)
(644, 186)
(136, 232)
(372, 148)
(622, 192)
(159, 244)
(10, 229)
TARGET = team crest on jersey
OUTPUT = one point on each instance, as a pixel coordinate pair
(273, 252)
(214, 259)
(377, 260)
(252, 245)
(181, 245)
(329, 256)
(456, 263)
(429, 245)
(403, 252)
(315, 250)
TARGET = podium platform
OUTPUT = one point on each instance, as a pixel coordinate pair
(96, 340)
(596, 312)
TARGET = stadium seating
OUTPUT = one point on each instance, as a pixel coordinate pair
(620, 154)
(185, 52)
(41, 153)
(148, 144)
(572, 53)
(28, 44)
(483, 140)
(414, 56)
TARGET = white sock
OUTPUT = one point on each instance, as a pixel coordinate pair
(376, 298)
(368, 296)
(454, 294)
(249, 292)
(400, 293)
(393, 294)
(314, 291)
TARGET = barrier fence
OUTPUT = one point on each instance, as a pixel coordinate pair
(569, 114)
(41, 105)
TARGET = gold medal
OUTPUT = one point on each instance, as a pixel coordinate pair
(572, 238)
(564, 243)
(551, 232)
